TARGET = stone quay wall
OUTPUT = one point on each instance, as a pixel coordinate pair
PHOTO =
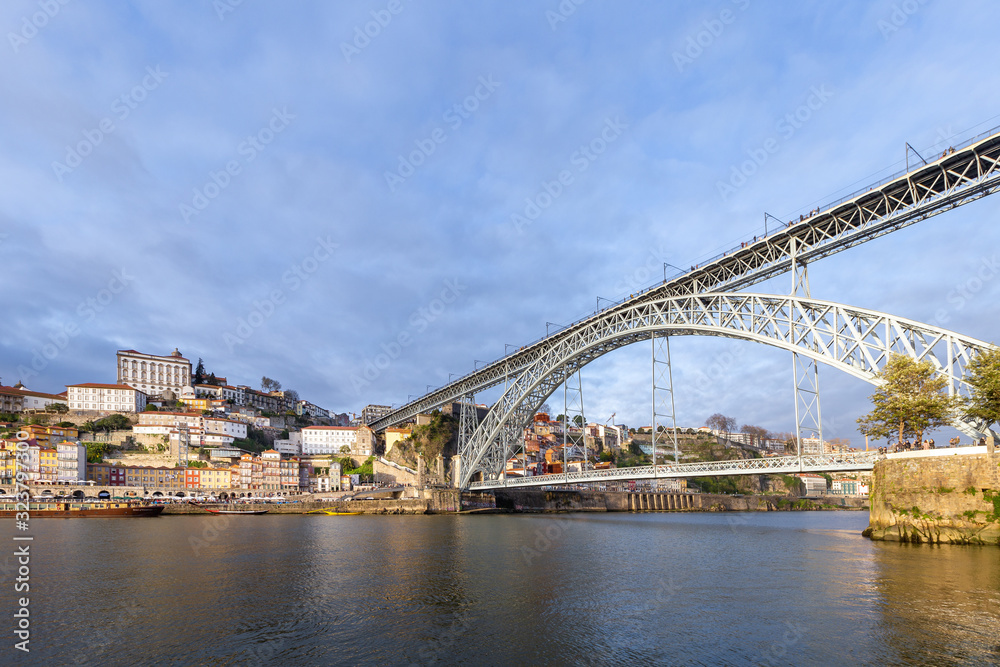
(537, 500)
(431, 501)
(941, 499)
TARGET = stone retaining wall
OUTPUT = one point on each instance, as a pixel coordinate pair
(942, 499)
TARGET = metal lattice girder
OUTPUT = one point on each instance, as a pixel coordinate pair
(468, 421)
(805, 371)
(769, 465)
(572, 406)
(808, 418)
(968, 174)
(663, 398)
(854, 340)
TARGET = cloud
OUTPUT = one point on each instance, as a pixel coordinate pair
(653, 189)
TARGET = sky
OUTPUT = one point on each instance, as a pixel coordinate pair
(361, 200)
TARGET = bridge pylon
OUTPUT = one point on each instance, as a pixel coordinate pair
(573, 408)
(467, 422)
(805, 371)
(664, 413)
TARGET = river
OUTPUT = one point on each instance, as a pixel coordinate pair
(777, 588)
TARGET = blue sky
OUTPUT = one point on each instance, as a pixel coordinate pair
(267, 187)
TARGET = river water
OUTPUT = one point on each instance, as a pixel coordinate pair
(640, 589)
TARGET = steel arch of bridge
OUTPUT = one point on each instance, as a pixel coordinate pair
(957, 177)
(854, 340)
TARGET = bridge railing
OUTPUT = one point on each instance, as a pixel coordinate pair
(809, 463)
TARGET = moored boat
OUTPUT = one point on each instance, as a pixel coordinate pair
(218, 511)
(65, 509)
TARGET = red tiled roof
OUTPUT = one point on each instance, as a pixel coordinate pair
(176, 414)
(329, 428)
(99, 385)
(26, 392)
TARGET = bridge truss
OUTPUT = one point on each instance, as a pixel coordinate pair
(702, 301)
(854, 340)
(774, 465)
(968, 174)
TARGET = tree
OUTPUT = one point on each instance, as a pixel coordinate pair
(546, 409)
(150, 408)
(721, 423)
(983, 375)
(267, 384)
(212, 380)
(910, 401)
(61, 408)
(199, 372)
(292, 395)
(578, 420)
(345, 449)
(758, 434)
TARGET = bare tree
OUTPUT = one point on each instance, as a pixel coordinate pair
(758, 434)
(716, 422)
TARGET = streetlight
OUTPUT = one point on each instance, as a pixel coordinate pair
(599, 302)
(665, 265)
(768, 215)
(505, 346)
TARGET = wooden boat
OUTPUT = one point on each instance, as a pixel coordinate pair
(63, 509)
(218, 511)
(332, 513)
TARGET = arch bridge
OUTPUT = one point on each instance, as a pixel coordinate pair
(704, 301)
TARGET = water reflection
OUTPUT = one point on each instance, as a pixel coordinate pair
(678, 589)
(939, 604)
